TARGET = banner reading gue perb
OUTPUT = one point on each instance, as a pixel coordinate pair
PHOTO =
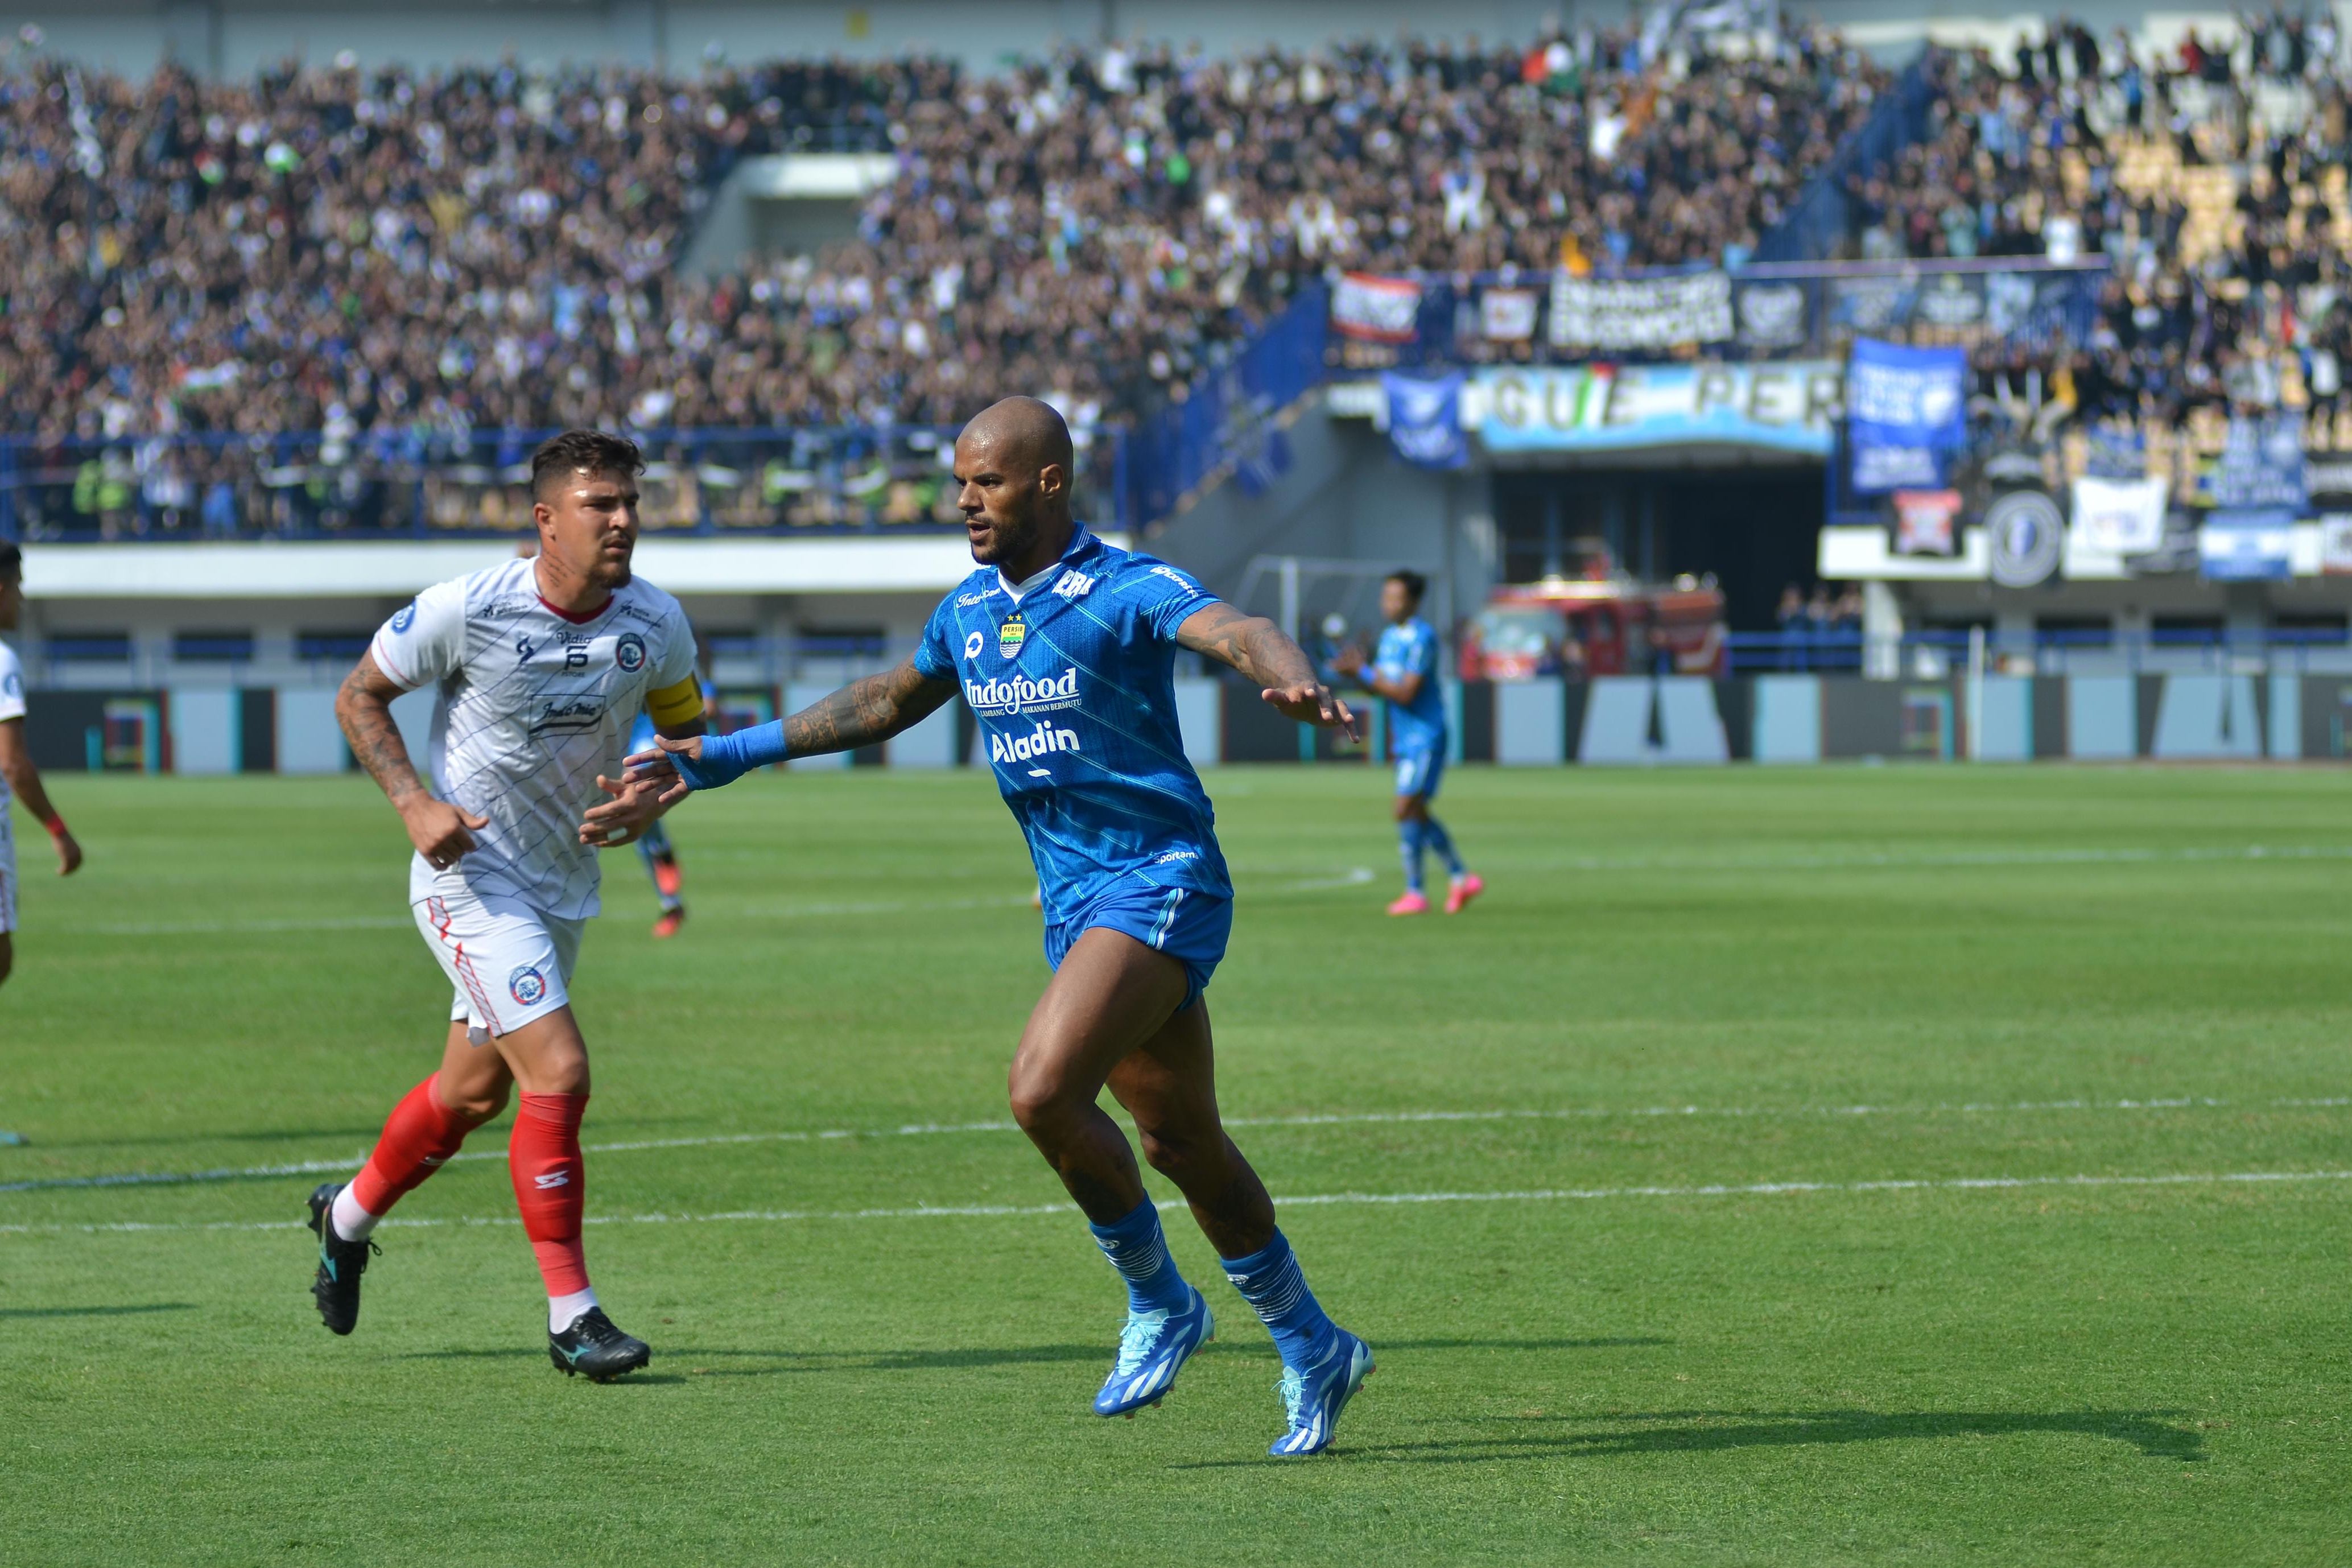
(1790, 407)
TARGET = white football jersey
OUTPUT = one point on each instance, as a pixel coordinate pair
(12, 706)
(533, 704)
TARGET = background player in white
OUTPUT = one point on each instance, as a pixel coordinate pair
(542, 665)
(18, 776)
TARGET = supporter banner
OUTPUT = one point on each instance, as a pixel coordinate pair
(1956, 307)
(1785, 407)
(1508, 315)
(1772, 315)
(2121, 516)
(2335, 544)
(2025, 534)
(2246, 544)
(1617, 314)
(1924, 523)
(1376, 309)
(1425, 419)
(1907, 415)
(2260, 464)
(2327, 477)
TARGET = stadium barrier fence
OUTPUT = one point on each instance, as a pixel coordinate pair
(2278, 714)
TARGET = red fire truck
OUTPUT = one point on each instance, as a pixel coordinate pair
(1601, 626)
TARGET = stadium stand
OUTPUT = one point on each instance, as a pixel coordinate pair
(2212, 181)
(395, 261)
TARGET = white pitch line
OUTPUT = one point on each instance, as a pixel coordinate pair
(1360, 875)
(1305, 1200)
(1335, 1119)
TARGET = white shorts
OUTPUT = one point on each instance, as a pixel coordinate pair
(7, 872)
(510, 962)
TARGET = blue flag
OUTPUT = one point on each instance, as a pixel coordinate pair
(1907, 415)
(1425, 419)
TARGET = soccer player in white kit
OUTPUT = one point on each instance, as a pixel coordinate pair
(18, 776)
(542, 665)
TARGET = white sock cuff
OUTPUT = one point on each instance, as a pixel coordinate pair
(352, 1221)
(562, 1311)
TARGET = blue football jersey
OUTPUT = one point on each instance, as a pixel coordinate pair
(1074, 688)
(1412, 649)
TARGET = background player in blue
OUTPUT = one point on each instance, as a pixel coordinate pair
(653, 844)
(1064, 647)
(1404, 671)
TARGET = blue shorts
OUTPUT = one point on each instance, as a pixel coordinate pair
(1188, 925)
(1417, 773)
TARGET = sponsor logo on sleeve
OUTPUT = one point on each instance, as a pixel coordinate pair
(404, 617)
(1176, 578)
(629, 653)
(12, 686)
(528, 986)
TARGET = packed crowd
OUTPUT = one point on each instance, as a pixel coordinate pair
(373, 253)
(2209, 178)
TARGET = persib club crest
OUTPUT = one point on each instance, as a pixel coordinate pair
(1010, 636)
(404, 617)
(529, 986)
(629, 653)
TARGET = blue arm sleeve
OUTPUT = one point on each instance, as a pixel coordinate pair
(726, 758)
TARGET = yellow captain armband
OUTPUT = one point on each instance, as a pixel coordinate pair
(675, 705)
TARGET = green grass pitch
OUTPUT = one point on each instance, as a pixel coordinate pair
(1745, 1109)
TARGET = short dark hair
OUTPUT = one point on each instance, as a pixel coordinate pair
(583, 452)
(12, 562)
(1415, 585)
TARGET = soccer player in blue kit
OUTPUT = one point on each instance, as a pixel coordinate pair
(1064, 647)
(1403, 671)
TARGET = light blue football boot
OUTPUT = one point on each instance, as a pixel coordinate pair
(1314, 1397)
(1153, 1348)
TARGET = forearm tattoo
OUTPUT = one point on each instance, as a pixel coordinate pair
(1251, 644)
(865, 712)
(366, 715)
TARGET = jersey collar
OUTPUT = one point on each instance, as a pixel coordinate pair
(1080, 540)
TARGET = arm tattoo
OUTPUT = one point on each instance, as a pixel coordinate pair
(865, 712)
(363, 708)
(1251, 644)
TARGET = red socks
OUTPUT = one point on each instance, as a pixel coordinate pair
(551, 1185)
(418, 1136)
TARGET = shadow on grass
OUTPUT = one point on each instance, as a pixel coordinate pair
(783, 1361)
(96, 1312)
(825, 1360)
(1705, 1431)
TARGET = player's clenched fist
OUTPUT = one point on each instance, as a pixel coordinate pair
(438, 829)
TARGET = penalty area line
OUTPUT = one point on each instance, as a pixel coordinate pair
(1301, 1200)
(1325, 1119)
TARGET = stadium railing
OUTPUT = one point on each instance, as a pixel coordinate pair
(422, 483)
(1936, 654)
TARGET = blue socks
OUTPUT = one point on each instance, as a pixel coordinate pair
(1137, 1250)
(1433, 834)
(1270, 1281)
(1411, 839)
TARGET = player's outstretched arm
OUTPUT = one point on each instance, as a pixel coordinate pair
(363, 708)
(863, 713)
(1257, 647)
(16, 767)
